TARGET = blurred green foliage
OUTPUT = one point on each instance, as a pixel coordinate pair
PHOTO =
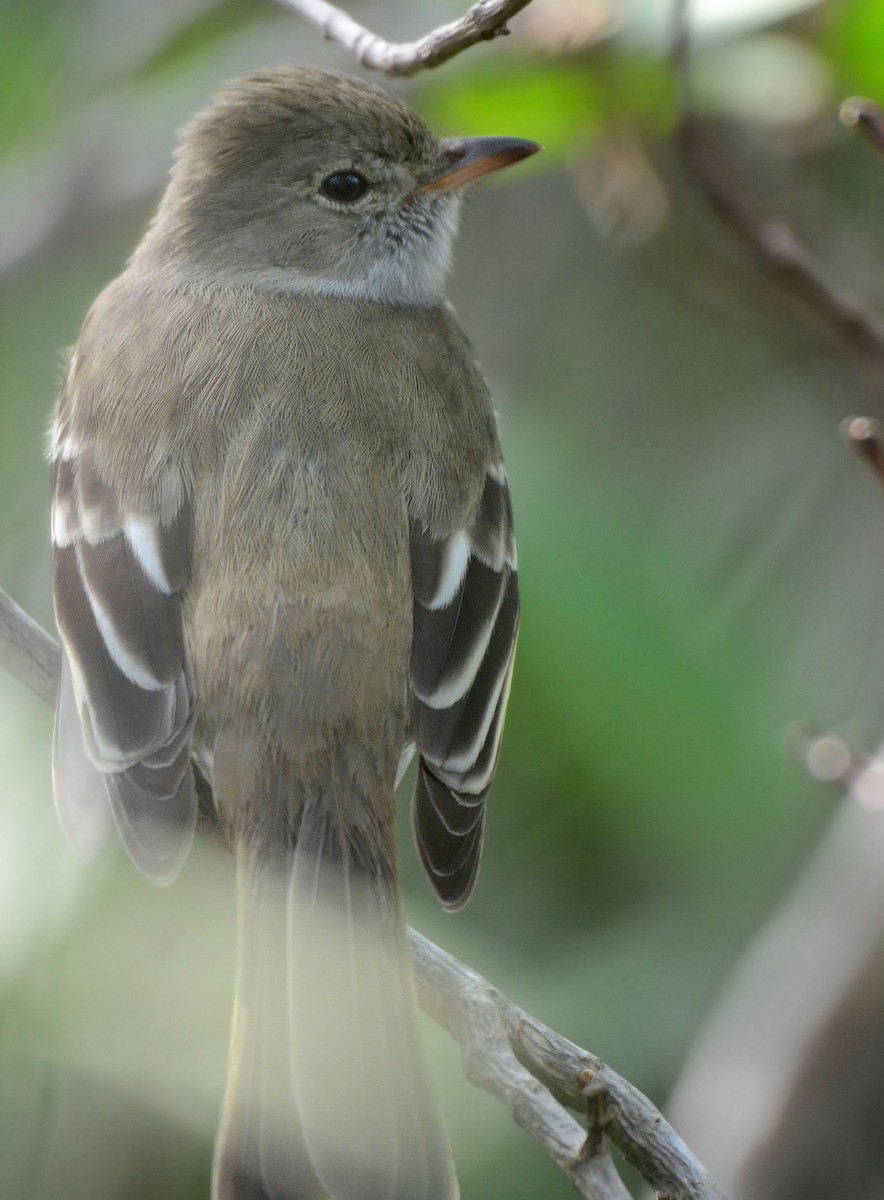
(855, 46)
(557, 102)
(701, 559)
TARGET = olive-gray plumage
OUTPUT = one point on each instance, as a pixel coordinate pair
(283, 548)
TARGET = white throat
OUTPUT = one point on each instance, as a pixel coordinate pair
(408, 269)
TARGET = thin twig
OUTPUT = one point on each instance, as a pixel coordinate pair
(484, 21)
(867, 117)
(863, 436)
(534, 1072)
(27, 651)
(773, 241)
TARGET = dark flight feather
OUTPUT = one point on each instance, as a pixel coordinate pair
(466, 618)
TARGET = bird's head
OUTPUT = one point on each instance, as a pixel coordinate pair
(316, 181)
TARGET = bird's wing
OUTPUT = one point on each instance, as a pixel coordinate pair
(126, 704)
(466, 618)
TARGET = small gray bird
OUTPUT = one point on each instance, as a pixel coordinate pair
(283, 560)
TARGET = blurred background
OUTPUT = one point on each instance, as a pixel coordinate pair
(702, 563)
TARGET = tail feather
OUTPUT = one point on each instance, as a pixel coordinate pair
(329, 1095)
(260, 1152)
(361, 1082)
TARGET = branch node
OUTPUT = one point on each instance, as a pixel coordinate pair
(483, 22)
(864, 115)
(598, 1118)
(863, 435)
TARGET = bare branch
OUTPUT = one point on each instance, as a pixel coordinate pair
(534, 1072)
(475, 1014)
(495, 1036)
(25, 650)
(773, 241)
(484, 21)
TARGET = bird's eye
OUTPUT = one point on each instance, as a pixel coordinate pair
(346, 187)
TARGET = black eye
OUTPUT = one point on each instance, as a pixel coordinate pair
(344, 186)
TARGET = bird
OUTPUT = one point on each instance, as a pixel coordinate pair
(283, 565)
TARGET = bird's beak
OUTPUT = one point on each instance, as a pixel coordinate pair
(471, 158)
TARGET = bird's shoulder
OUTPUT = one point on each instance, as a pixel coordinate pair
(400, 382)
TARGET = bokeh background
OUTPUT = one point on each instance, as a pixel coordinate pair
(702, 559)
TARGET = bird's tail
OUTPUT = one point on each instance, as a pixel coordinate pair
(328, 1095)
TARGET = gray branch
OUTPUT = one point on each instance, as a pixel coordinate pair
(484, 21)
(27, 651)
(534, 1072)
